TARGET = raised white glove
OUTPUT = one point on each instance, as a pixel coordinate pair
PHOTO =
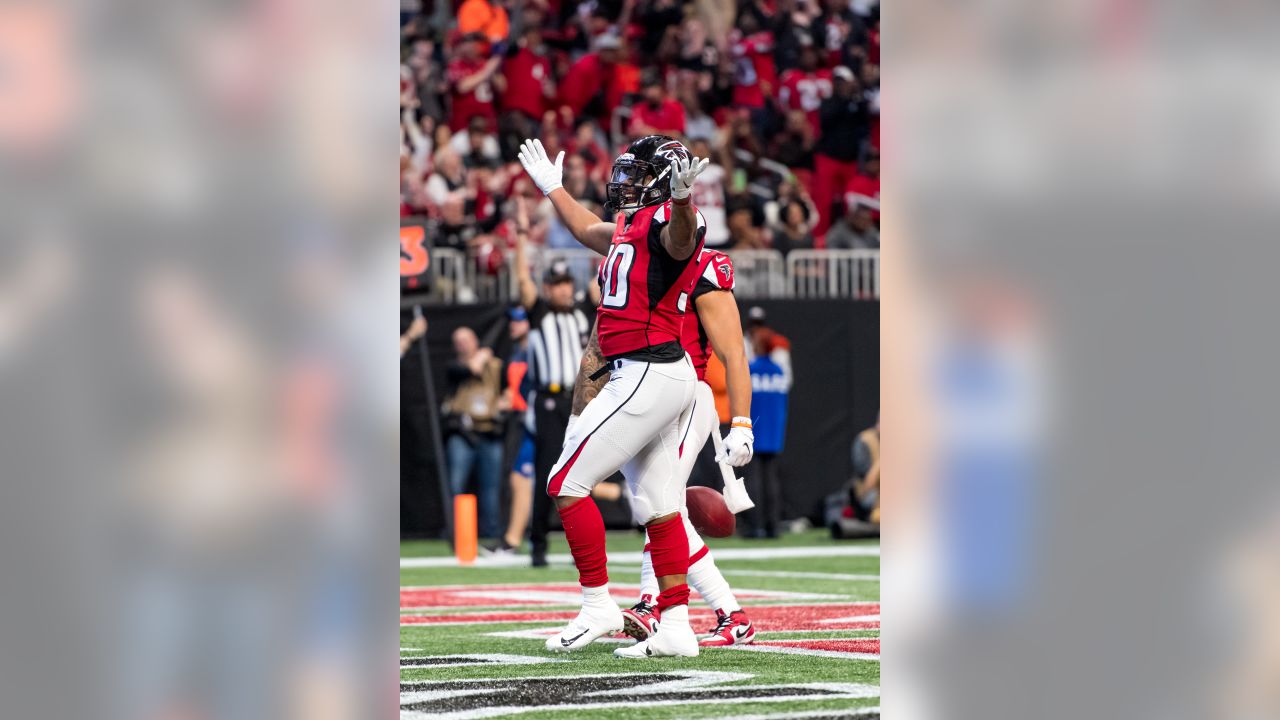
(683, 173)
(738, 443)
(545, 174)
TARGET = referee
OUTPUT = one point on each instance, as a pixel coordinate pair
(558, 331)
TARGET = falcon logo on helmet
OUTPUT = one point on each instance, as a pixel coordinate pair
(642, 175)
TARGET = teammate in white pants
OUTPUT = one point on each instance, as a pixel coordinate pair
(645, 282)
(715, 326)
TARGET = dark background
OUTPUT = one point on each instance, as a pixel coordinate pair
(835, 354)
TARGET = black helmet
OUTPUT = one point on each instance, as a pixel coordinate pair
(640, 175)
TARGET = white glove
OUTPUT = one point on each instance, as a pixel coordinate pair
(735, 494)
(683, 173)
(545, 174)
(738, 443)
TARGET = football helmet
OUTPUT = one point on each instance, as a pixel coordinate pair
(641, 176)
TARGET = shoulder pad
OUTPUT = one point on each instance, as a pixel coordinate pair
(717, 269)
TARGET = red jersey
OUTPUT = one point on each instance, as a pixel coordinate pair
(668, 119)
(755, 73)
(863, 190)
(805, 91)
(715, 272)
(644, 292)
(526, 71)
(477, 102)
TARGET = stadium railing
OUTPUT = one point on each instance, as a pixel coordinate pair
(761, 274)
(463, 278)
(816, 274)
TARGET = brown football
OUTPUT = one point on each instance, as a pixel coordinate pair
(708, 513)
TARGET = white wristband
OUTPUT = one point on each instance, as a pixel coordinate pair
(741, 422)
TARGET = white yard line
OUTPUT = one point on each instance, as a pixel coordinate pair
(635, 558)
(846, 577)
(806, 651)
(852, 712)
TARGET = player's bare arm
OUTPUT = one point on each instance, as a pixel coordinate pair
(584, 388)
(524, 275)
(583, 224)
(679, 237)
(718, 313)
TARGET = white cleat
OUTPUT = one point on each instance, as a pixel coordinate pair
(591, 623)
(668, 641)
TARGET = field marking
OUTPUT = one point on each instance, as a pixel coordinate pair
(635, 558)
(857, 615)
(556, 594)
(805, 651)
(545, 632)
(852, 619)
(845, 577)
(712, 683)
(850, 712)
(474, 659)
(802, 575)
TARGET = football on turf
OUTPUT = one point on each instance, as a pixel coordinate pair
(708, 513)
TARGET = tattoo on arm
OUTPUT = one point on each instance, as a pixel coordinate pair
(584, 388)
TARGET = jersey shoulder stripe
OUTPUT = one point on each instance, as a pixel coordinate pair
(717, 271)
(663, 214)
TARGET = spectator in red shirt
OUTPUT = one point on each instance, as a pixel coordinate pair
(657, 114)
(588, 86)
(529, 87)
(472, 82)
(756, 76)
(804, 88)
(864, 188)
(527, 76)
(844, 129)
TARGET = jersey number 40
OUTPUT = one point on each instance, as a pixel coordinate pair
(614, 274)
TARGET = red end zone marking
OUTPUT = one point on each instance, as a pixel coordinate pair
(461, 596)
(765, 618)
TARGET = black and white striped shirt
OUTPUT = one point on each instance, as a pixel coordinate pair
(556, 341)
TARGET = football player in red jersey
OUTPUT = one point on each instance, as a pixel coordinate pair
(635, 421)
(714, 326)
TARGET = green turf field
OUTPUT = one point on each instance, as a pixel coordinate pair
(472, 637)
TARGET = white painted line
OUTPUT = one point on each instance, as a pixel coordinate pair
(546, 632)
(852, 712)
(470, 659)
(635, 558)
(845, 577)
(803, 575)
(806, 651)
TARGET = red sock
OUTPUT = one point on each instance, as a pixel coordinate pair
(678, 595)
(669, 547)
(584, 530)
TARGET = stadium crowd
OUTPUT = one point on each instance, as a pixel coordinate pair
(783, 95)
